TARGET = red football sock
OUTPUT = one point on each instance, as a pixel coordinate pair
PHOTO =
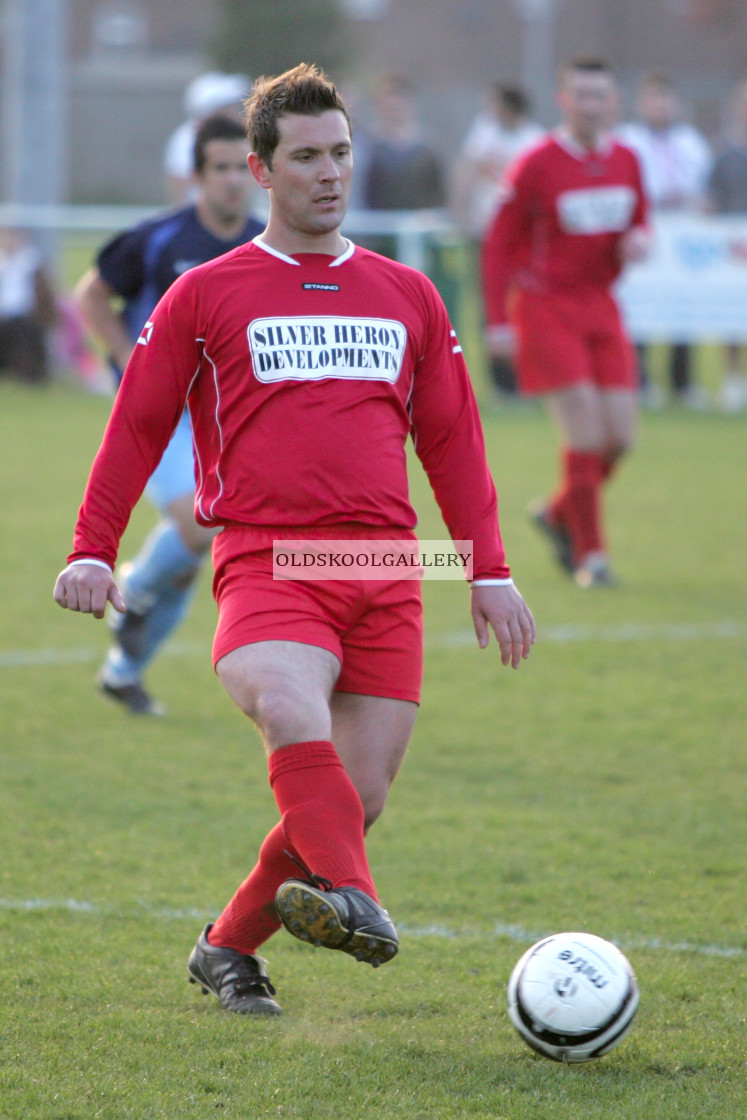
(556, 508)
(322, 813)
(609, 466)
(582, 514)
(250, 917)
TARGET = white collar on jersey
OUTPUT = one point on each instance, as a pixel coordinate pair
(346, 255)
(602, 147)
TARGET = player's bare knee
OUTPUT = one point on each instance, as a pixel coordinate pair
(618, 448)
(290, 714)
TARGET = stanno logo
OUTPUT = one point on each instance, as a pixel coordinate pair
(314, 347)
(321, 287)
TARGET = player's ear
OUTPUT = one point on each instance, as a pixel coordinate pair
(259, 170)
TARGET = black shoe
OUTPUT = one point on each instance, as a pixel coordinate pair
(133, 697)
(239, 980)
(344, 918)
(557, 535)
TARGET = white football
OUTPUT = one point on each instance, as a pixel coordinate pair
(572, 997)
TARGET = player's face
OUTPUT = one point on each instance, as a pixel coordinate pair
(659, 107)
(311, 173)
(588, 101)
(225, 181)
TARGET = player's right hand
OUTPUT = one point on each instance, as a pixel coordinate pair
(88, 588)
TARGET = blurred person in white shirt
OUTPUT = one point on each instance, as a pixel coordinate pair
(27, 308)
(500, 132)
(675, 160)
(727, 194)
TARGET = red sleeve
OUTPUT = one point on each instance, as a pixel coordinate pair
(148, 406)
(448, 438)
(507, 238)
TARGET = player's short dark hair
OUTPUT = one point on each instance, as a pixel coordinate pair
(586, 64)
(305, 90)
(658, 80)
(512, 98)
(216, 127)
(398, 84)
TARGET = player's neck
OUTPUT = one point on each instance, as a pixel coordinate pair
(291, 242)
(226, 227)
(591, 140)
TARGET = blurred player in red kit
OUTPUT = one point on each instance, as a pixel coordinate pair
(305, 362)
(573, 213)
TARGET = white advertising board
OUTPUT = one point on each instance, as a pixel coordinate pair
(693, 285)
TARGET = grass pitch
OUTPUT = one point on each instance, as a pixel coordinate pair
(602, 787)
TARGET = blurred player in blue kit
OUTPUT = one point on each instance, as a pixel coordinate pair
(137, 267)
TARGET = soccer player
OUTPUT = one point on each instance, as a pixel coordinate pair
(573, 212)
(210, 94)
(305, 361)
(138, 266)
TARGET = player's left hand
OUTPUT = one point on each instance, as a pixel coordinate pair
(504, 611)
(634, 245)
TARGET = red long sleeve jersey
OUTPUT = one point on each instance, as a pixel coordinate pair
(303, 377)
(563, 211)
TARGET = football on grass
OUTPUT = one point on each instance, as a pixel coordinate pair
(572, 997)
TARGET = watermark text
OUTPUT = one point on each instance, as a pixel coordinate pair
(372, 559)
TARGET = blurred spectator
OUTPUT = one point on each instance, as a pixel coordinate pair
(205, 95)
(27, 308)
(72, 351)
(403, 172)
(675, 159)
(727, 194)
(358, 109)
(501, 131)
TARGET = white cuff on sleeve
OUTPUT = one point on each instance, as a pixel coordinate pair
(492, 582)
(97, 563)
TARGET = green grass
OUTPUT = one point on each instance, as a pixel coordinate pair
(601, 787)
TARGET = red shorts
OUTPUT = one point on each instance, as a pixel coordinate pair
(374, 628)
(564, 340)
